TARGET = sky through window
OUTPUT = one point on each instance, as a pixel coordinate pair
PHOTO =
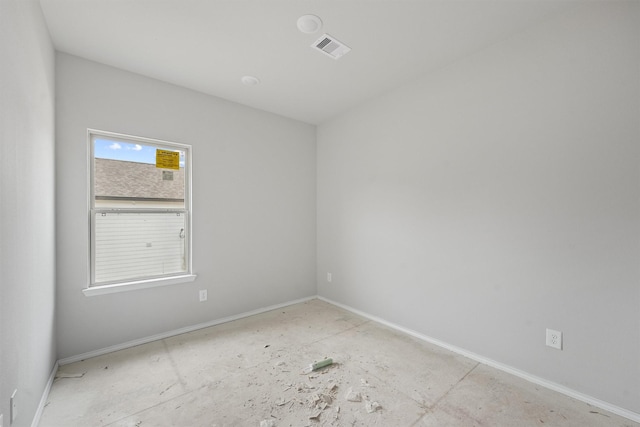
(126, 151)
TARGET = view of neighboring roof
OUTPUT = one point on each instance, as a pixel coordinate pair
(122, 180)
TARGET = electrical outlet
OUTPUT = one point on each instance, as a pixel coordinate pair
(554, 339)
(13, 406)
(203, 295)
(329, 277)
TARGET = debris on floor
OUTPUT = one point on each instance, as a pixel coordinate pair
(353, 396)
(315, 415)
(371, 406)
(61, 375)
(316, 401)
(365, 383)
(304, 387)
(317, 365)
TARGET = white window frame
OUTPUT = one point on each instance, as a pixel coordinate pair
(94, 288)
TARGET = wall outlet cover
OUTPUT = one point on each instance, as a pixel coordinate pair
(554, 339)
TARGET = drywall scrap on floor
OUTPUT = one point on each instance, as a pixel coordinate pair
(329, 396)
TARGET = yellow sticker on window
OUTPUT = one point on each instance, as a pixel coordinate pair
(167, 159)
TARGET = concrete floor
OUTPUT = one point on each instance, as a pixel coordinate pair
(248, 373)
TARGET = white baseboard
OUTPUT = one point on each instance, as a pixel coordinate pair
(175, 332)
(45, 397)
(633, 416)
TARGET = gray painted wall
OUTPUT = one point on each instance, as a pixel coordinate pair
(498, 197)
(254, 205)
(27, 208)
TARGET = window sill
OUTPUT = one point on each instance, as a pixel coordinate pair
(141, 284)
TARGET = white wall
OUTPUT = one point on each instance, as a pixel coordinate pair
(27, 208)
(253, 205)
(498, 197)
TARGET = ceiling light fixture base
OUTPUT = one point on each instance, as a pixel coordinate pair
(309, 24)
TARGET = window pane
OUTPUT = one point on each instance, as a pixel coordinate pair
(139, 245)
(126, 175)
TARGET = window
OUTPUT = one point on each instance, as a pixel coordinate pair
(140, 215)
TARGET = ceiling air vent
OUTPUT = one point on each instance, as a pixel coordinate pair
(330, 46)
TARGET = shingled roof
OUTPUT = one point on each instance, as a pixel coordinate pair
(122, 180)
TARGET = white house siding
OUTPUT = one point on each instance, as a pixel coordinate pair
(135, 245)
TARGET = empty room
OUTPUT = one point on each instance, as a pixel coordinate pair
(319, 213)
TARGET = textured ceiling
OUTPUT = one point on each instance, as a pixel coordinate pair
(208, 45)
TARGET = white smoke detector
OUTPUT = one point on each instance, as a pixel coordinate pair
(250, 80)
(309, 24)
(331, 46)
